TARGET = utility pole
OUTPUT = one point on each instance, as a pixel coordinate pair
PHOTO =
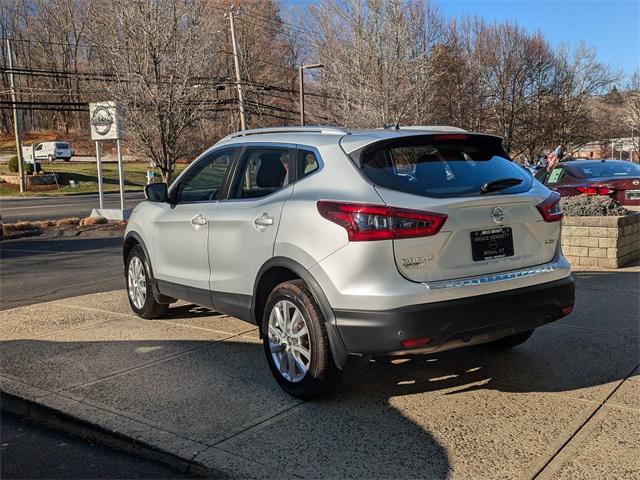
(301, 70)
(301, 89)
(236, 61)
(15, 115)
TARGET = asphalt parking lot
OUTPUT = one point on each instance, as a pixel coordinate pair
(196, 386)
(36, 270)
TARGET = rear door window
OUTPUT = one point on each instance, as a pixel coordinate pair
(264, 170)
(62, 146)
(444, 166)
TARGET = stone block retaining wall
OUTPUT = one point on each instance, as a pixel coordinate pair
(609, 242)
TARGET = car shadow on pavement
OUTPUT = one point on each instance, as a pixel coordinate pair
(391, 419)
(384, 421)
(185, 312)
(222, 394)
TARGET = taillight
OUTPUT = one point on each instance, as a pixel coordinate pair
(379, 222)
(550, 208)
(593, 190)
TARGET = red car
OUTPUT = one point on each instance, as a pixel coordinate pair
(617, 179)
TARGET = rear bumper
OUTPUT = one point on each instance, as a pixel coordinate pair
(455, 323)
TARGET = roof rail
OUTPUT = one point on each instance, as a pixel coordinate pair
(293, 129)
(437, 128)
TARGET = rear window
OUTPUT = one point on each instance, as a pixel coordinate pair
(62, 146)
(444, 166)
(607, 169)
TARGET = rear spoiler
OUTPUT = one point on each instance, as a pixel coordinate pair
(415, 140)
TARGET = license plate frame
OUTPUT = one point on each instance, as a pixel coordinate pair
(632, 194)
(492, 243)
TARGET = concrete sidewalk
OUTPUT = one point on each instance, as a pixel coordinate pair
(196, 386)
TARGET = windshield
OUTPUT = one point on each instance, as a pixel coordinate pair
(451, 165)
(608, 169)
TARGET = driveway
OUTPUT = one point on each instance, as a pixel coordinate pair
(196, 386)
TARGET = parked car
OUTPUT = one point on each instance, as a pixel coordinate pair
(348, 244)
(53, 151)
(617, 179)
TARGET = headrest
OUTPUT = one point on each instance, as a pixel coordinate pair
(271, 172)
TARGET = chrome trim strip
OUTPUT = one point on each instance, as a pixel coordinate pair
(497, 277)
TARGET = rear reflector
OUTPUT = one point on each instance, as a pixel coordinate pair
(594, 190)
(550, 208)
(415, 342)
(379, 222)
(567, 310)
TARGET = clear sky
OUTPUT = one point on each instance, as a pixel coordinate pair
(611, 26)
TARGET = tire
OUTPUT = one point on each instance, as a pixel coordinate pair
(510, 341)
(321, 373)
(146, 307)
(67, 159)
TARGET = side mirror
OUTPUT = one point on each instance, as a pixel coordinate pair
(156, 192)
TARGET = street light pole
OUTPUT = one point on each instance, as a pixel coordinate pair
(301, 70)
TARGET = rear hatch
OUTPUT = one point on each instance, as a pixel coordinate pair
(493, 222)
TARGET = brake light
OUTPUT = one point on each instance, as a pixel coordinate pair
(378, 222)
(415, 342)
(450, 136)
(593, 190)
(550, 208)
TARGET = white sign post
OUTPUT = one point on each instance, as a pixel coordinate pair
(106, 124)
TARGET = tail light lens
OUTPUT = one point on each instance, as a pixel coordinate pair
(378, 222)
(594, 190)
(550, 208)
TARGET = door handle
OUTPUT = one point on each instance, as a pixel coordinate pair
(263, 220)
(198, 221)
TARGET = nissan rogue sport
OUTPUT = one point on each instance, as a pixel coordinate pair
(344, 244)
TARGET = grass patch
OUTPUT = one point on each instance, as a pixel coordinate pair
(85, 177)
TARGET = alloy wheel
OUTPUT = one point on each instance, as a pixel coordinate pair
(289, 341)
(137, 283)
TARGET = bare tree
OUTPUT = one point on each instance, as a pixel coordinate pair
(160, 55)
(376, 56)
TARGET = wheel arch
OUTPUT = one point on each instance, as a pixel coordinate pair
(281, 269)
(132, 239)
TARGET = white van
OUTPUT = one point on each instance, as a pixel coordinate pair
(53, 151)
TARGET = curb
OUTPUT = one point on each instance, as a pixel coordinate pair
(85, 430)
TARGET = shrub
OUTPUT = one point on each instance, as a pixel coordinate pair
(27, 167)
(68, 221)
(88, 221)
(21, 226)
(13, 164)
(591, 206)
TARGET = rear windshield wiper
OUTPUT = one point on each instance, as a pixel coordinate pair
(500, 184)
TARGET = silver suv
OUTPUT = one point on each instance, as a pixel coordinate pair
(341, 245)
